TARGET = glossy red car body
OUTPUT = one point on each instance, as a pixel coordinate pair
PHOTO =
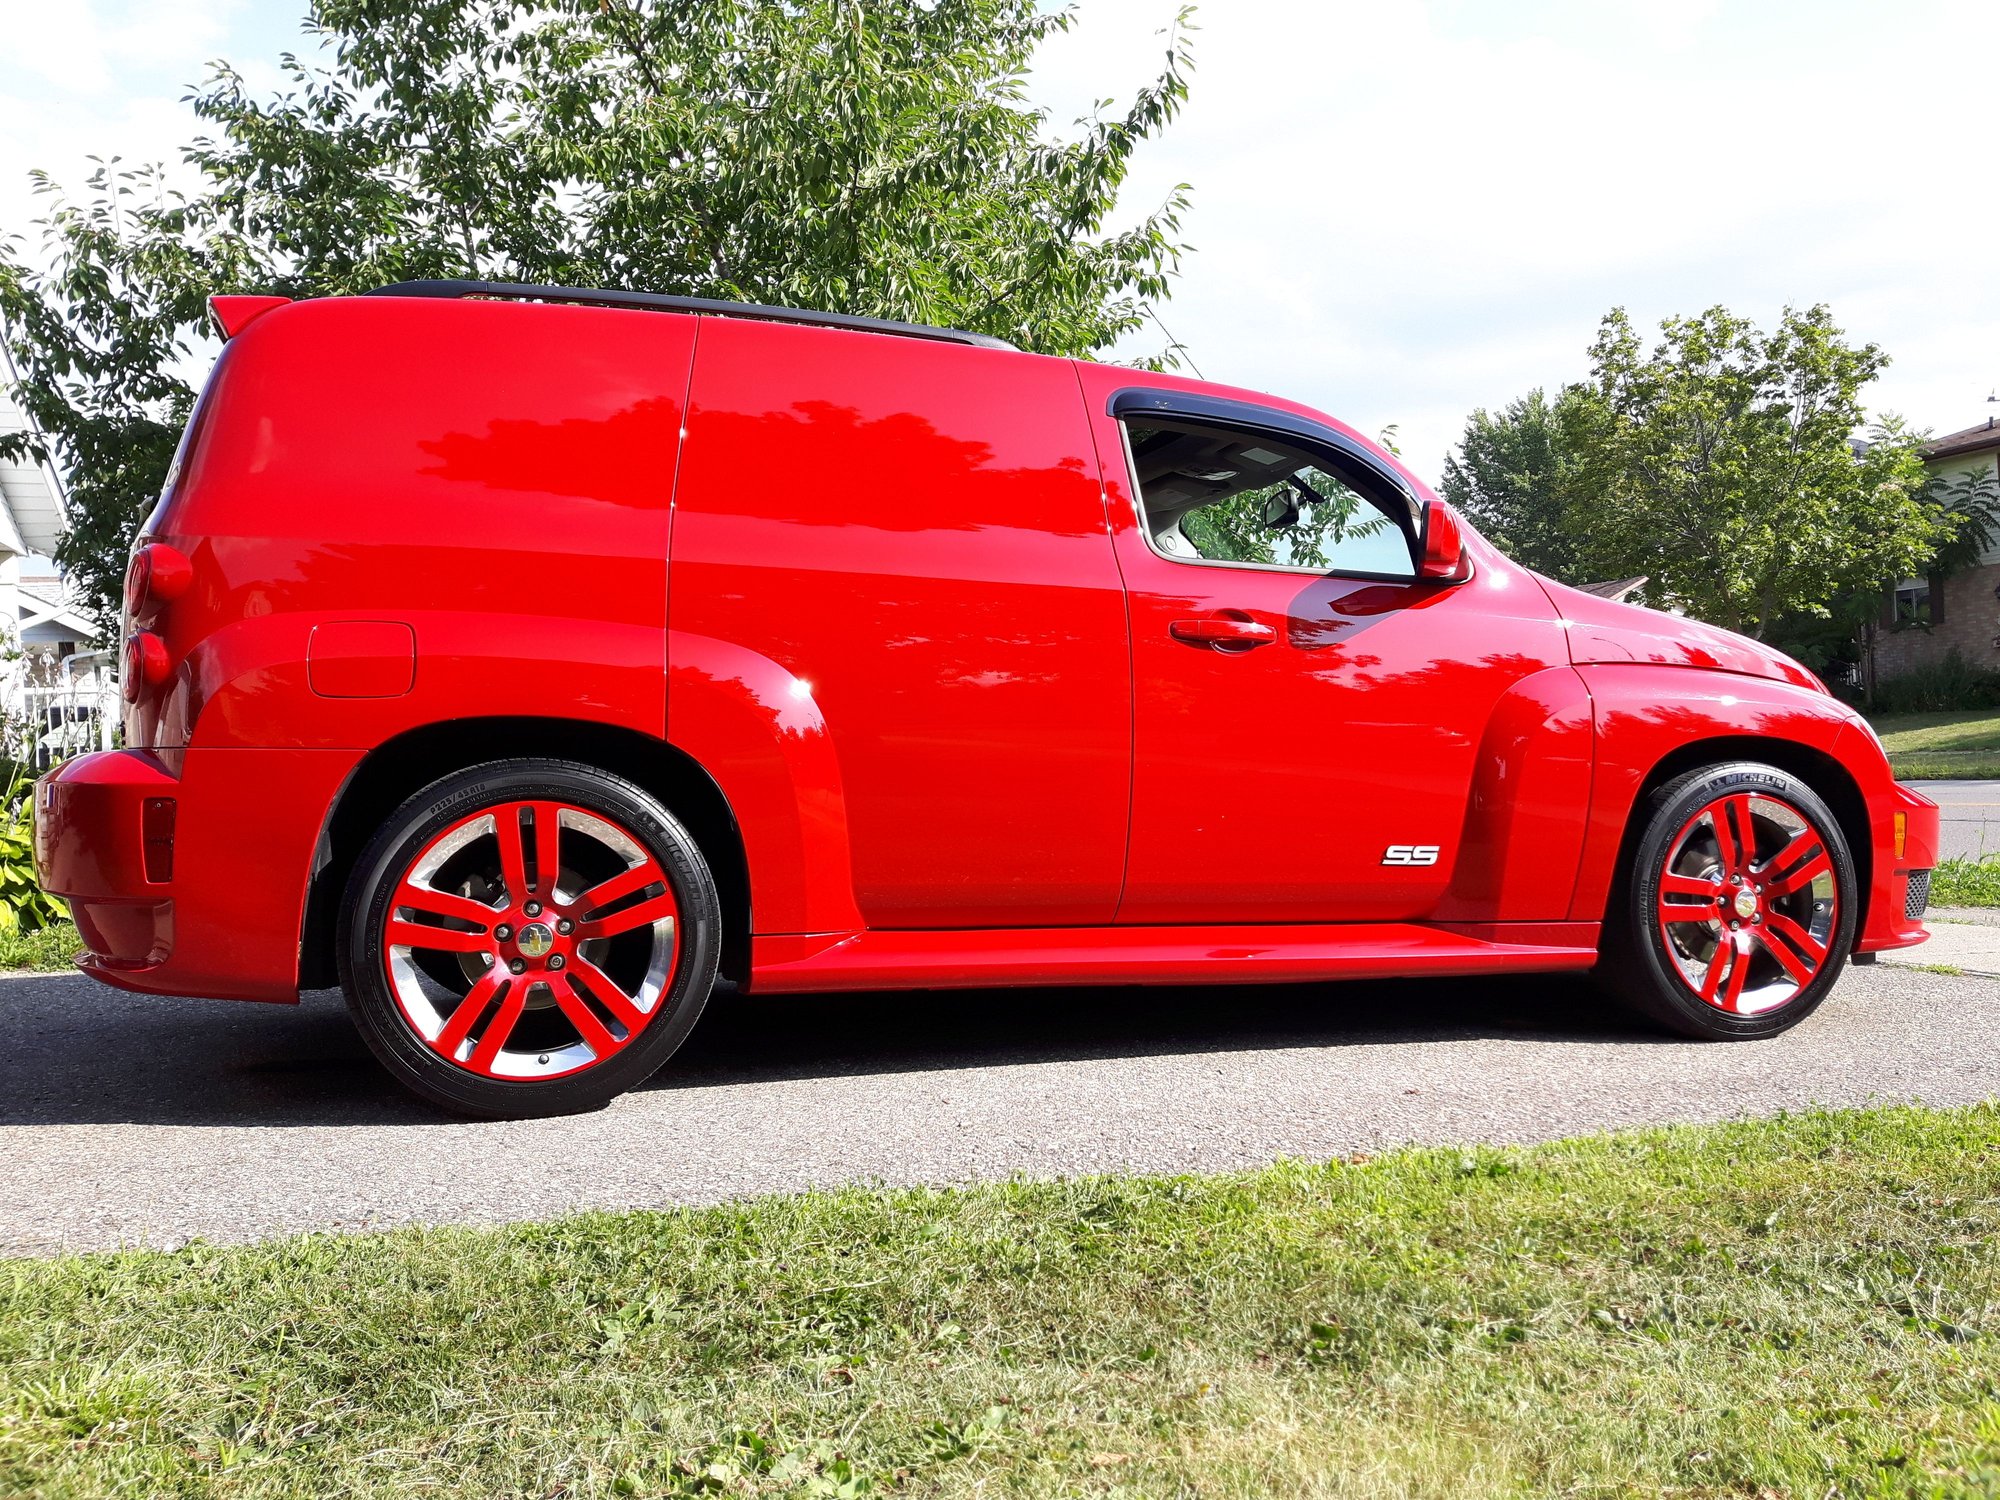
(874, 615)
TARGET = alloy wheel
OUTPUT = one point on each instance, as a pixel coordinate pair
(1748, 903)
(530, 940)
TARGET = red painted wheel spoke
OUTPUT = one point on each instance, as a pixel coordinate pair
(608, 994)
(1733, 814)
(513, 854)
(1690, 885)
(548, 848)
(1820, 864)
(642, 915)
(1739, 970)
(618, 887)
(470, 1009)
(436, 903)
(595, 1035)
(499, 1029)
(1719, 963)
(1798, 937)
(1691, 911)
(1725, 841)
(1787, 960)
(401, 934)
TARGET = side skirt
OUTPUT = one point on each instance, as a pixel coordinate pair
(1162, 955)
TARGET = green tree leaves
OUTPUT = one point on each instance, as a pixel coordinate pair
(875, 158)
(1722, 464)
(1515, 476)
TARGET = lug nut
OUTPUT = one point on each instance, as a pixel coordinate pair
(555, 960)
(565, 926)
(1733, 926)
(520, 965)
(503, 932)
(533, 908)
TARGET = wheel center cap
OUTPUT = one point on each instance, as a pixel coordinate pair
(536, 939)
(1746, 908)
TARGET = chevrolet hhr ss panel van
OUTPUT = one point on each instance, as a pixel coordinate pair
(527, 658)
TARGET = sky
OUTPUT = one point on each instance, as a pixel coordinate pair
(1402, 209)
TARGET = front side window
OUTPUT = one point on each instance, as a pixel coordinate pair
(1211, 494)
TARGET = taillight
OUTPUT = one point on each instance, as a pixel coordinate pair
(146, 663)
(158, 575)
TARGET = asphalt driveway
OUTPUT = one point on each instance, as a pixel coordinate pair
(132, 1120)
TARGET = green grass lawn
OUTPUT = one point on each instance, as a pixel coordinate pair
(1807, 1307)
(1948, 745)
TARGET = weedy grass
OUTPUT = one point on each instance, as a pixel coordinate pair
(1966, 882)
(48, 948)
(1806, 1307)
(1963, 745)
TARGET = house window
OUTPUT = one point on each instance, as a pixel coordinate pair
(1915, 602)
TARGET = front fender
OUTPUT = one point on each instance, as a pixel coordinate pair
(1646, 713)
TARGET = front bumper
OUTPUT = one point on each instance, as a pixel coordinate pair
(1904, 858)
(219, 911)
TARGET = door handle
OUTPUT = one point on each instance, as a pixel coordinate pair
(1223, 632)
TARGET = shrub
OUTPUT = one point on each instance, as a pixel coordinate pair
(1952, 683)
(24, 905)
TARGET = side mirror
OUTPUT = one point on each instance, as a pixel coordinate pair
(1281, 512)
(1444, 545)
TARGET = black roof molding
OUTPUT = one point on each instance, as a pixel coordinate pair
(1137, 402)
(660, 302)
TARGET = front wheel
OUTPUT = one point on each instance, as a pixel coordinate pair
(1738, 912)
(529, 937)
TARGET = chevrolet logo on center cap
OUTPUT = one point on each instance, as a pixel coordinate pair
(535, 940)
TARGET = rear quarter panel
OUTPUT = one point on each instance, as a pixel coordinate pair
(498, 478)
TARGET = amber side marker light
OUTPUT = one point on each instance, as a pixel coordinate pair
(1902, 832)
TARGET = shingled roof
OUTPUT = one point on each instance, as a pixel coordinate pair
(1973, 440)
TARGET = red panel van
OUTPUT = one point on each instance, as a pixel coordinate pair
(526, 658)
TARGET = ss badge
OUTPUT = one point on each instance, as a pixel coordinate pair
(1411, 854)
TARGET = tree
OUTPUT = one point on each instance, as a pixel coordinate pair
(874, 158)
(1514, 475)
(1724, 466)
(1971, 502)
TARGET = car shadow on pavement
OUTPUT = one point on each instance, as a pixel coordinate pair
(80, 1053)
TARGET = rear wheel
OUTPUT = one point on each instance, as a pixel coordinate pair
(529, 937)
(1738, 912)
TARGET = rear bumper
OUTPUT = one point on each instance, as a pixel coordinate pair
(219, 911)
(1895, 911)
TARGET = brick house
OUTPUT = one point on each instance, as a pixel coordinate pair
(1924, 618)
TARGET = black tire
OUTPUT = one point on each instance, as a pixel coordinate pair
(681, 992)
(1656, 975)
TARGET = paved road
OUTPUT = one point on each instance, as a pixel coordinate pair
(131, 1120)
(1970, 827)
